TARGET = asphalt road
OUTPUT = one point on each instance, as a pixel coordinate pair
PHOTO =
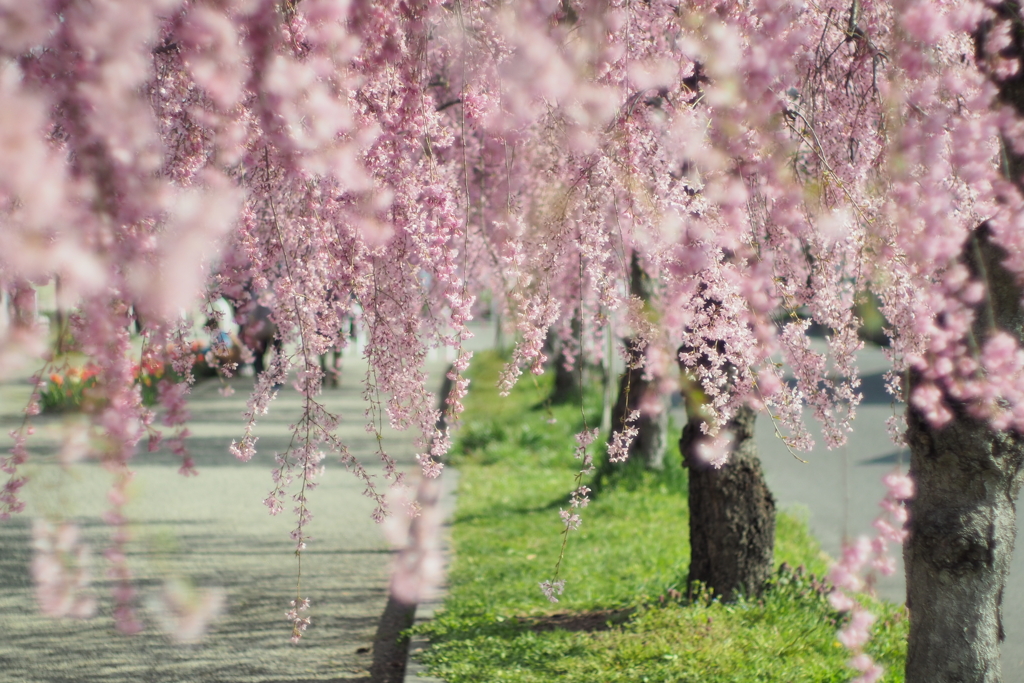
(840, 491)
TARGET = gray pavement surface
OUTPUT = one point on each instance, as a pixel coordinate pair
(212, 530)
(840, 491)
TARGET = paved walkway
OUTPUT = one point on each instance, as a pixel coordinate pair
(841, 491)
(214, 530)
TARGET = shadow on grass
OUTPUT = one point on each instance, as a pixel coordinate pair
(589, 622)
(499, 511)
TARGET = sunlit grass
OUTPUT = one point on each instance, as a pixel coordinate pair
(628, 561)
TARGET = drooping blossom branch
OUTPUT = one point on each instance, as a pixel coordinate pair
(769, 162)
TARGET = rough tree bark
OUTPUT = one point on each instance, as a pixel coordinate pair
(732, 512)
(963, 517)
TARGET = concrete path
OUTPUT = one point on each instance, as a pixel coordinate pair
(214, 530)
(841, 490)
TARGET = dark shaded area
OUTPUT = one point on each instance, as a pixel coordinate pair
(872, 388)
(599, 620)
(639, 391)
(391, 644)
(566, 387)
(213, 452)
(894, 458)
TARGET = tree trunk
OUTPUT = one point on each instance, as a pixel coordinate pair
(962, 528)
(963, 517)
(636, 393)
(608, 395)
(567, 382)
(566, 386)
(732, 513)
(652, 426)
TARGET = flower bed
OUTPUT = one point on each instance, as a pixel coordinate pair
(68, 390)
(72, 388)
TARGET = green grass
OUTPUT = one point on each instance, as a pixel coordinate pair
(626, 565)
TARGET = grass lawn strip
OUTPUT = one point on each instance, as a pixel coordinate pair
(623, 616)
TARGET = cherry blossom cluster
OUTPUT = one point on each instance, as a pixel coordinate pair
(294, 616)
(618, 446)
(571, 519)
(389, 162)
(871, 555)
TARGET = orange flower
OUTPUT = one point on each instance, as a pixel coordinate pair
(56, 379)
